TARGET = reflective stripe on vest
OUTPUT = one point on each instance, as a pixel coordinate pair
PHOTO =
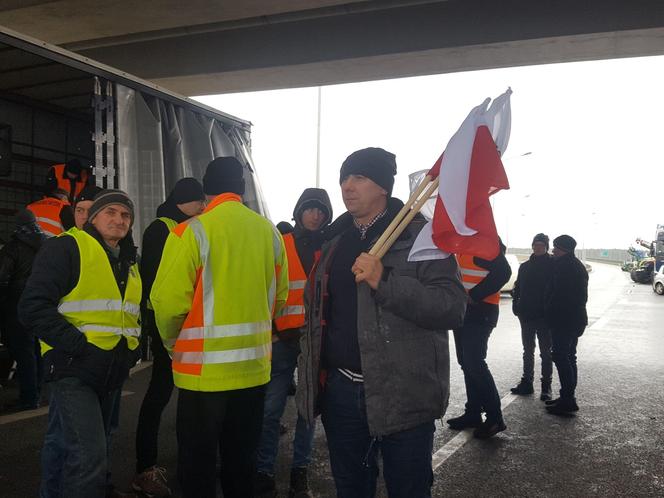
(65, 184)
(211, 352)
(95, 306)
(471, 275)
(47, 213)
(292, 315)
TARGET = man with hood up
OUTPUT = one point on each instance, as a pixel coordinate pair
(83, 301)
(16, 259)
(312, 214)
(186, 200)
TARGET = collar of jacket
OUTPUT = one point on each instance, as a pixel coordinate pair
(128, 251)
(221, 198)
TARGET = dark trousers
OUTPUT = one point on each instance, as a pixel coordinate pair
(156, 398)
(24, 349)
(78, 438)
(227, 423)
(354, 453)
(531, 329)
(471, 342)
(564, 356)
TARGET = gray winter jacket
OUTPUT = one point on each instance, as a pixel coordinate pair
(402, 332)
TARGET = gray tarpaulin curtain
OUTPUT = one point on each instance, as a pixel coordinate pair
(159, 142)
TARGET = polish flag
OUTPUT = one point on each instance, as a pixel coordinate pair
(470, 171)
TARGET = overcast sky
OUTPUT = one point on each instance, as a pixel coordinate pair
(591, 133)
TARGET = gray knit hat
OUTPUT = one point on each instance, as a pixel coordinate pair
(108, 197)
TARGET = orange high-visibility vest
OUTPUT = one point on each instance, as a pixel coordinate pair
(65, 184)
(47, 212)
(291, 316)
(471, 275)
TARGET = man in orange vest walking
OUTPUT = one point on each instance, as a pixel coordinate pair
(312, 214)
(482, 280)
(53, 213)
(71, 177)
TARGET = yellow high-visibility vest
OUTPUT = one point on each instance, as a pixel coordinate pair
(95, 306)
(222, 276)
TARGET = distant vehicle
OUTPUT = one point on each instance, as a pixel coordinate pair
(514, 265)
(643, 273)
(658, 281)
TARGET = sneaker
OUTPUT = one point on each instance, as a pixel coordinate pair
(524, 387)
(564, 406)
(152, 482)
(464, 421)
(264, 486)
(489, 429)
(299, 484)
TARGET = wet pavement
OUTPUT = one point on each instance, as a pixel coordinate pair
(614, 446)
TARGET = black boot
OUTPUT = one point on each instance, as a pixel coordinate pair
(464, 421)
(264, 486)
(546, 390)
(489, 429)
(563, 406)
(299, 484)
(523, 387)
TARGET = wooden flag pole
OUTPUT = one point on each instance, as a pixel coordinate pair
(394, 235)
(400, 215)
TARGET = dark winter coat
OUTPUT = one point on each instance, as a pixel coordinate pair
(16, 259)
(55, 273)
(530, 288)
(479, 311)
(154, 239)
(402, 333)
(567, 295)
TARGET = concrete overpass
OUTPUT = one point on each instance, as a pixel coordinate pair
(206, 47)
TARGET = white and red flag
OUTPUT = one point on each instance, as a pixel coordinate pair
(470, 171)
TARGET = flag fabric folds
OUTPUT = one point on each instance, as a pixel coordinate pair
(470, 171)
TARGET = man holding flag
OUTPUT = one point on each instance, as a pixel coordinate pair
(375, 356)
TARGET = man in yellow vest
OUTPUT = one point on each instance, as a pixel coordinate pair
(83, 301)
(222, 277)
(53, 213)
(186, 200)
(482, 280)
(312, 214)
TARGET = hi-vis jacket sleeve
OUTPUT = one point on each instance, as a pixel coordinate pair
(281, 269)
(173, 289)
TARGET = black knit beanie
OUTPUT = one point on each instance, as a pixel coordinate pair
(375, 163)
(24, 217)
(565, 242)
(88, 193)
(187, 190)
(543, 238)
(108, 197)
(224, 174)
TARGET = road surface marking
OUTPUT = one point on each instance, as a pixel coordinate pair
(457, 442)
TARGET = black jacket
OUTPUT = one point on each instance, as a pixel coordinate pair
(478, 311)
(307, 242)
(154, 239)
(532, 282)
(16, 259)
(567, 295)
(55, 273)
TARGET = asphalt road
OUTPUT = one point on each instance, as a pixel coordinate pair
(614, 446)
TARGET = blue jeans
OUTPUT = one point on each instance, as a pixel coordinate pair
(354, 453)
(471, 342)
(284, 361)
(77, 444)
